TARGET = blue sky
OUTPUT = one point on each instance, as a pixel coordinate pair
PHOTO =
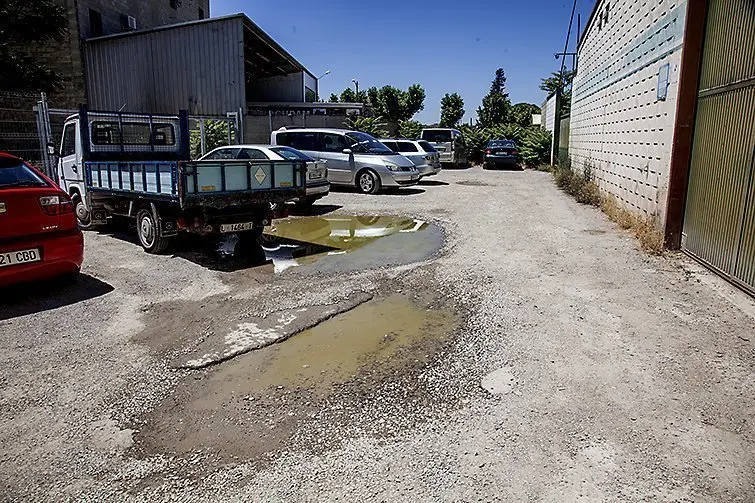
(444, 45)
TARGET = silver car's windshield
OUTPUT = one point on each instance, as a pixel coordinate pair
(366, 144)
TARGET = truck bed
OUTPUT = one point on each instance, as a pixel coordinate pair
(200, 183)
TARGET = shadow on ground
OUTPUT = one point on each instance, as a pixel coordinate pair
(37, 297)
(433, 183)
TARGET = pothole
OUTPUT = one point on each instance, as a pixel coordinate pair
(256, 404)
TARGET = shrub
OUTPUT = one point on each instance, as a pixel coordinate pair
(410, 129)
(535, 146)
(371, 125)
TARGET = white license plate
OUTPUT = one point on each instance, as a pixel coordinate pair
(315, 176)
(20, 257)
(246, 226)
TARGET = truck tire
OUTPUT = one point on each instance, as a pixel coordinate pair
(148, 230)
(368, 182)
(82, 213)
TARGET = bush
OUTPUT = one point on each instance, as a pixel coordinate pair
(371, 125)
(535, 147)
(215, 135)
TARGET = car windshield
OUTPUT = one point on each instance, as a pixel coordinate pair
(14, 173)
(366, 144)
(427, 146)
(291, 154)
(437, 135)
(501, 144)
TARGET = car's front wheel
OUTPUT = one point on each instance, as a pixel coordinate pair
(368, 182)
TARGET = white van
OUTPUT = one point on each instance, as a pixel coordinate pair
(449, 144)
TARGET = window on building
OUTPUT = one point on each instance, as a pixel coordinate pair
(200, 13)
(95, 23)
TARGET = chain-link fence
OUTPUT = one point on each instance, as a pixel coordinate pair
(18, 126)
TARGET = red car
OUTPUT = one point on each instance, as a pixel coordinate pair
(39, 235)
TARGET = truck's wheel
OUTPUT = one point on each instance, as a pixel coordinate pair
(82, 213)
(368, 182)
(149, 233)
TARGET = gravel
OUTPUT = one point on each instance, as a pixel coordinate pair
(630, 377)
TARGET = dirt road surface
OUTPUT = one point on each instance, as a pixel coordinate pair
(509, 344)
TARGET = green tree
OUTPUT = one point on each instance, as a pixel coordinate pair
(496, 104)
(215, 135)
(498, 86)
(333, 98)
(410, 129)
(395, 105)
(494, 110)
(451, 109)
(551, 84)
(522, 113)
(24, 23)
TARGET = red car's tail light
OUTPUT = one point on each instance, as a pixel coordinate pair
(514, 152)
(488, 152)
(56, 205)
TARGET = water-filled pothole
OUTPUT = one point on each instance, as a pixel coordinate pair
(367, 240)
(254, 405)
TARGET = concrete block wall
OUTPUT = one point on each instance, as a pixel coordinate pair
(619, 127)
(148, 13)
(65, 57)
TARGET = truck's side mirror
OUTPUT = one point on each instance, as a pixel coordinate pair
(51, 149)
(346, 151)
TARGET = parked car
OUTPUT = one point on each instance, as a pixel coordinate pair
(354, 158)
(449, 143)
(500, 153)
(317, 171)
(39, 235)
(424, 156)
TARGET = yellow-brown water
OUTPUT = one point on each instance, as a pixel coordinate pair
(377, 335)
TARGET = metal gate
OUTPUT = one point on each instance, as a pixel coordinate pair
(719, 219)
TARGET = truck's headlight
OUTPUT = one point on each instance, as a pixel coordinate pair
(391, 166)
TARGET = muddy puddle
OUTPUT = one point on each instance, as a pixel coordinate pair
(343, 240)
(326, 243)
(256, 404)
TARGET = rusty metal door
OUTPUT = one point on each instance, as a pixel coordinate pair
(719, 219)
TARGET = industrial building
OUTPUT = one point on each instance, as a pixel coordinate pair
(663, 114)
(210, 67)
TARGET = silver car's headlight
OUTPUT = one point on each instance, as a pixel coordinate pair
(392, 167)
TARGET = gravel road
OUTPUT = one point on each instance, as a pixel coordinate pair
(608, 375)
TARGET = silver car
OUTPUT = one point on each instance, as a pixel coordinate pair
(424, 156)
(354, 158)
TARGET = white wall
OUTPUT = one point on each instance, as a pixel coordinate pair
(618, 125)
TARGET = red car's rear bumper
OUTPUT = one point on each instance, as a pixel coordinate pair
(61, 254)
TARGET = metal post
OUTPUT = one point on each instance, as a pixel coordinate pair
(556, 127)
(201, 136)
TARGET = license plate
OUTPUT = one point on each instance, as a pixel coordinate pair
(414, 177)
(20, 257)
(315, 176)
(246, 226)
